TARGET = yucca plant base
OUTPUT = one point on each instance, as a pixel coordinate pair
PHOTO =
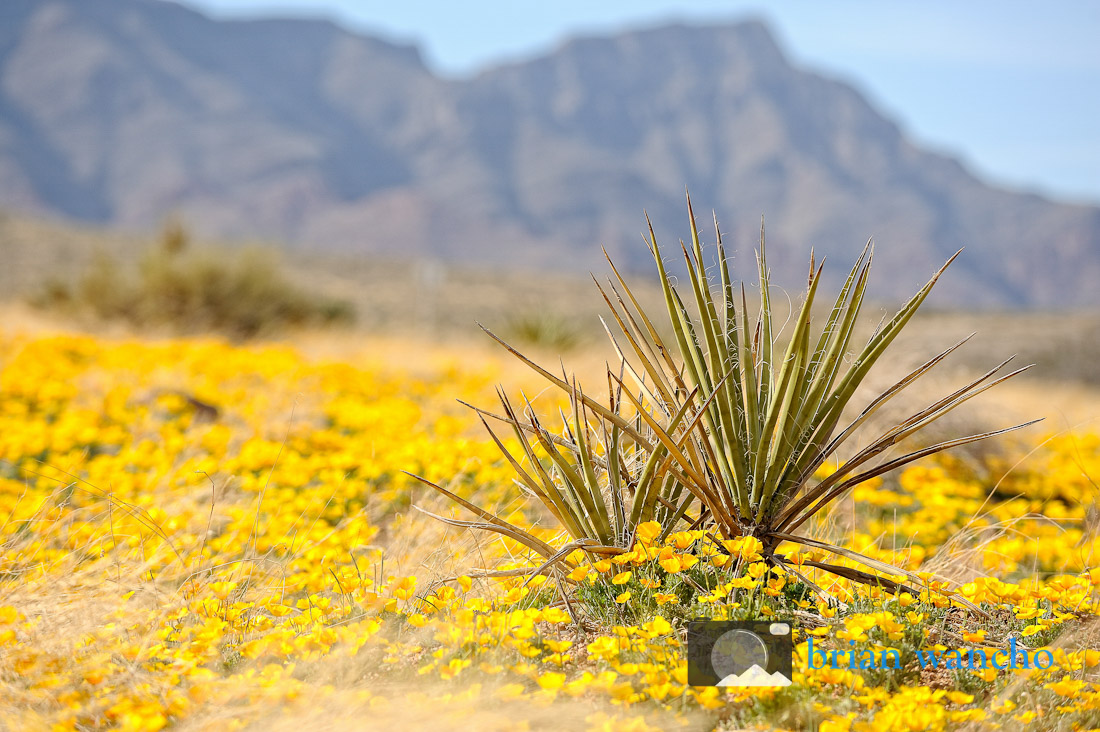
(723, 428)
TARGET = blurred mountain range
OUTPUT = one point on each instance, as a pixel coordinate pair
(121, 112)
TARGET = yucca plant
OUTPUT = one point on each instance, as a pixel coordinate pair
(727, 424)
(601, 478)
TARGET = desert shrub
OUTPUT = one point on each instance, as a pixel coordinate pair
(542, 329)
(240, 293)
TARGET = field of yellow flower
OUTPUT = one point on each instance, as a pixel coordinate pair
(195, 535)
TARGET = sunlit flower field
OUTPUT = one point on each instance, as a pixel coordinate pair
(195, 535)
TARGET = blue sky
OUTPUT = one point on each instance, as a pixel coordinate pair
(1010, 86)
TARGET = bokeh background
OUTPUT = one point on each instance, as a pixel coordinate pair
(277, 169)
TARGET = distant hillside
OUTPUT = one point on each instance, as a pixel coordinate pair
(121, 111)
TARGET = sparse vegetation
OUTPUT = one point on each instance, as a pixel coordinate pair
(544, 329)
(241, 293)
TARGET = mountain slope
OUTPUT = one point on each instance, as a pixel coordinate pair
(120, 111)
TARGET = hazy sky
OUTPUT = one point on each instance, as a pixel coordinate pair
(1011, 86)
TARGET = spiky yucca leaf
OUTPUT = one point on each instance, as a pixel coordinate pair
(769, 423)
(596, 481)
(771, 426)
